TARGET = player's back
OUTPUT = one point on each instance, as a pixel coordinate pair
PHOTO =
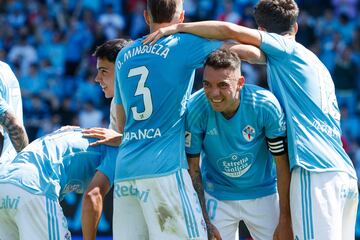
(55, 164)
(306, 91)
(10, 92)
(153, 83)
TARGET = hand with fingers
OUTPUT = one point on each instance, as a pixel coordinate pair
(213, 233)
(152, 38)
(106, 136)
(283, 230)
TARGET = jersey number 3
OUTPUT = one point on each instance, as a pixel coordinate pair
(143, 72)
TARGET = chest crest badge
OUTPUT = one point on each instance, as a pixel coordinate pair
(248, 133)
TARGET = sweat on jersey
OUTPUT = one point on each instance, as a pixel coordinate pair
(10, 93)
(153, 83)
(236, 162)
(59, 163)
(306, 91)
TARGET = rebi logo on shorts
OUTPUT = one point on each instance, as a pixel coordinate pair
(9, 203)
(125, 191)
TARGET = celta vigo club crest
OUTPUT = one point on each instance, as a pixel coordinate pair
(249, 133)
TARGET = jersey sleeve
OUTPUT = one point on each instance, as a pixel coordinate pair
(198, 49)
(274, 118)
(3, 105)
(107, 166)
(274, 45)
(195, 123)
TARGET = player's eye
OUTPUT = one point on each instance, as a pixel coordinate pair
(206, 84)
(223, 85)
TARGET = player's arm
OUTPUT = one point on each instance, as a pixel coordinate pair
(120, 118)
(248, 53)
(210, 29)
(92, 205)
(250, 39)
(277, 147)
(195, 174)
(105, 136)
(16, 132)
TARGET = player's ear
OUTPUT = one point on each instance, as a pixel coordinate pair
(241, 82)
(182, 16)
(147, 17)
(261, 29)
(295, 28)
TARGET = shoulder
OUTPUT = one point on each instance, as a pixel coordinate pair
(198, 100)
(198, 105)
(274, 43)
(260, 97)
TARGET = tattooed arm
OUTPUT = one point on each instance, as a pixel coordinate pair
(195, 173)
(16, 132)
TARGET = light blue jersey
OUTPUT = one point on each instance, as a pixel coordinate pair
(10, 92)
(3, 106)
(236, 162)
(306, 91)
(153, 82)
(59, 163)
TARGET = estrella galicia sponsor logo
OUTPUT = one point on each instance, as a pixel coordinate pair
(125, 191)
(9, 202)
(235, 165)
(326, 129)
(248, 133)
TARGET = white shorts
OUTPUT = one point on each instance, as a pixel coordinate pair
(260, 215)
(27, 216)
(158, 208)
(323, 205)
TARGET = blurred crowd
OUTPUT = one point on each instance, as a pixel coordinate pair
(49, 45)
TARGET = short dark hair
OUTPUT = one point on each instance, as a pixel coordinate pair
(110, 49)
(277, 16)
(162, 11)
(223, 59)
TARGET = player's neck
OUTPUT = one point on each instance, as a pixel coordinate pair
(289, 35)
(232, 111)
(156, 26)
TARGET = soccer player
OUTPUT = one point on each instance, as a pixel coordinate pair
(93, 199)
(235, 127)
(323, 189)
(105, 60)
(14, 137)
(154, 197)
(33, 183)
